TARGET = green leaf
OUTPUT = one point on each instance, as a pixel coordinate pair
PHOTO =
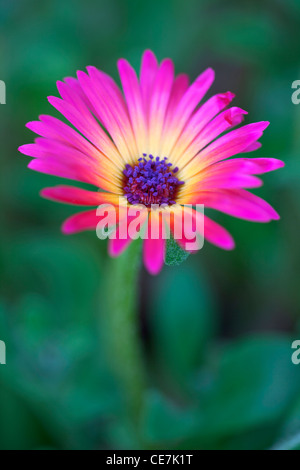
(256, 383)
(183, 317)
(175, 255)
(165, 422)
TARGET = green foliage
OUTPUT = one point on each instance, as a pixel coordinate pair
(182, 315)
(175, 255)
(255, 383)
(165, 423)
(293, 443)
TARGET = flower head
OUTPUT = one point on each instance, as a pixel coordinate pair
(151, 145)
(151, 181)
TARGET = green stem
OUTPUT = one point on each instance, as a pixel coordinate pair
(125, 345)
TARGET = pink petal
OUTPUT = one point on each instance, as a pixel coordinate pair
(238, 203)
(32, 150)
(72, 92)
(231, 181)
(228, 145)
(149, 68)
(252, 166)
(114, 93)
(75, 165)
(91, 220)
(204, 115)
(252, 147)
(213, 232)
(162, 88)
(153, 254)
(264, 165)
(223, 122)
(117, 246)
(155, 243)
(79, 222)
(209, 110)
(122, 237)
(180, 86)
(226, 120)
(234, 173)
(54, 129)
(136, 107)
(182, 233)
(191, 98)
(44, 147)
(110, 112)
(56, 168)
(89, 127)
(217, 235)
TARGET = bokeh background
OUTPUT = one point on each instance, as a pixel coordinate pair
(216, 331)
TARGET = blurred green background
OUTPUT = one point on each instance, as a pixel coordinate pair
(217, 330)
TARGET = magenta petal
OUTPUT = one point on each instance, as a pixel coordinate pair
(109, 111)
(223, 122)
(122, 238)
(193, 96)
(230, 144)
(254, 166)
(153, 254)
(117, 246)
(252, 147)
(32, 150)
(238, 203)
(176, 122)
(217, 235)
(232, 173)
(264, 165)
(186, 237)
(72, 92)
(213, 232)
(57, 168)
(149, 68)
(161, 92)
(113, 97)
(180, 86)
(231, 181)
(76, 196)
(54, 129)
(79, 222)
(210, 109)
(207, 112)
(75, 165)
(88, 126)
(136, 106)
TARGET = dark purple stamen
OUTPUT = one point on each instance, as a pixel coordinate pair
(151, 181)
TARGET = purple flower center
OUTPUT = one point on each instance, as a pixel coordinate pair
(151, 181)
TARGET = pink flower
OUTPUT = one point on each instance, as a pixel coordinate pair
(155, 145)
